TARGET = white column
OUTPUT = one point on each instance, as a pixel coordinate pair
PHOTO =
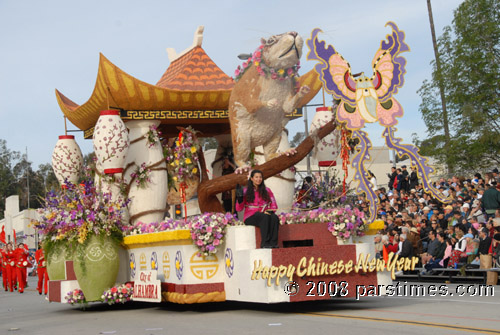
(154, 195)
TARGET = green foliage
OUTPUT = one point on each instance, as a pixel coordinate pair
(15, 174)
(470, 75)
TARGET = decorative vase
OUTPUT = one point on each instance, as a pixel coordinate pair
(67, 159)
(56, 262)
(327, 149)
(153, 195)
(111, 141)
(174, 194)
(96, 266)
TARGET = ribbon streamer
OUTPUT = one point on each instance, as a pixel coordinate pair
(361, 175)
(344, 154)
(418, 162)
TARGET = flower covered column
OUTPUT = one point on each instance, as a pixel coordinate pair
(147, 172)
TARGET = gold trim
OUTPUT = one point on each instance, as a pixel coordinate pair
(196, 298)
(178, 115)
(164, 238)
(173, 114)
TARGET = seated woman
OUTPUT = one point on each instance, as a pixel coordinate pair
(260, 206)
(471, 251)
(447, 253)
(459, 249)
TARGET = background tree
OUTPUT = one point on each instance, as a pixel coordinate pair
(15, 173)
(469, 73)
(7, 179)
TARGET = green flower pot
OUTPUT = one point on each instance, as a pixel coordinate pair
(56, 260)
(96, 266)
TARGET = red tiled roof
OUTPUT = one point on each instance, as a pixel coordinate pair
(195, 71)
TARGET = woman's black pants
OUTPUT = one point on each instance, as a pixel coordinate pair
(269, 225)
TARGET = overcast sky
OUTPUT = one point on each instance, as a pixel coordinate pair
(55, 44)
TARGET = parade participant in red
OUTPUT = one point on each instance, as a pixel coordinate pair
(10, 267)
(3, 264)
(41, 270)
(260, 205)
(22, 264)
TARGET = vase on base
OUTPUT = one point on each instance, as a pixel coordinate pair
(96, 266)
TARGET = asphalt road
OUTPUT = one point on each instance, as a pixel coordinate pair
(30, 313)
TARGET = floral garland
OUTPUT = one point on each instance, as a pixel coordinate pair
(153, 135)
(142, 175)
(182, 160)
(342, 222)
(266, 71)
(118, 294)
(207, 230)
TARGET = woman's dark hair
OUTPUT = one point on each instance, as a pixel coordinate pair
(250, 194)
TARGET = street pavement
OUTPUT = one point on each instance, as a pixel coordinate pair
(30, 313)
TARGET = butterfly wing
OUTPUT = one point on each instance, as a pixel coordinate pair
(334, 71)
(388, 66)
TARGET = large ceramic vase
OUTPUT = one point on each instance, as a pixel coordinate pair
(96, 266)
(56, 263)
(67, 159)
(111, 141)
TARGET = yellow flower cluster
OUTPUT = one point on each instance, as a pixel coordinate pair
(82, 233)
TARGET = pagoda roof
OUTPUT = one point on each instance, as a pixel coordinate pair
(195, 71)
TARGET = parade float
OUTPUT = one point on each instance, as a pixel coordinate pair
(148, 158)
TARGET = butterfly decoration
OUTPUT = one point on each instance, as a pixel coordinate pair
(367, 100)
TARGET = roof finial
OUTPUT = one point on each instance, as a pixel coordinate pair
(197, 41)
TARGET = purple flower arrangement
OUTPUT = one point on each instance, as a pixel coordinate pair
(153, 136)
(207, 230)
(118, 294)
(342, 222)
(78, 211)
(75, 297)
(142, 175)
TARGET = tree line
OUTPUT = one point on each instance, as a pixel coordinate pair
(16, 172)
(466, 136)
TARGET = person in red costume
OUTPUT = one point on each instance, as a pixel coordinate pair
(3, 264)
(22, 264)
(259, 204)
(10, 267)
(41, 270)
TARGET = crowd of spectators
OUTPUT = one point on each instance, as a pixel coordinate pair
(454, 234)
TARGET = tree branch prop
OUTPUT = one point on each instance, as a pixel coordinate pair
(208, 189)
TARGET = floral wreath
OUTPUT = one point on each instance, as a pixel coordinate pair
(264, 70)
